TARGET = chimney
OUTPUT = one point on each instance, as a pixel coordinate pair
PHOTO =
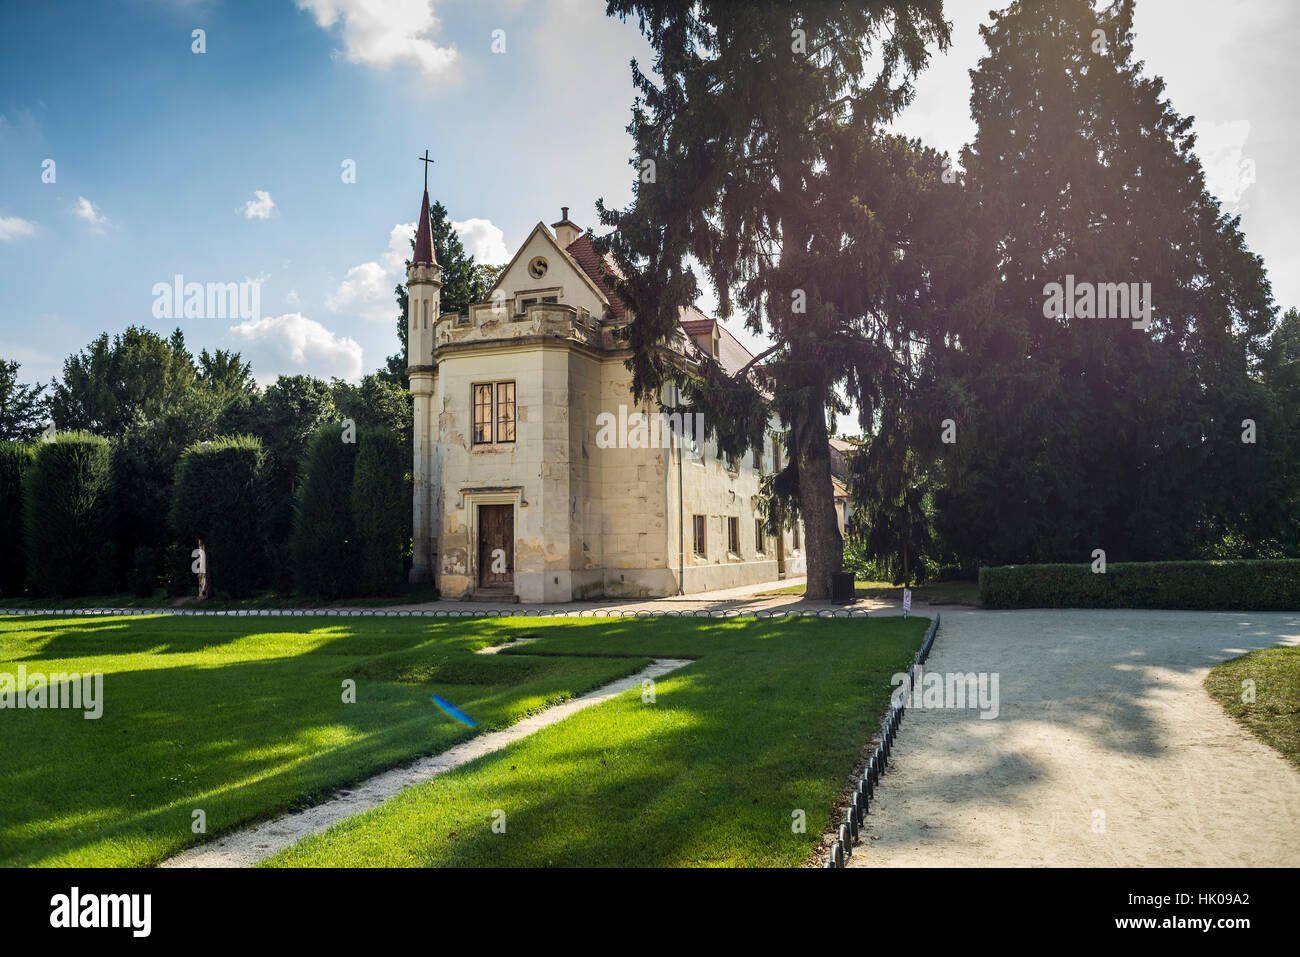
(565, 231)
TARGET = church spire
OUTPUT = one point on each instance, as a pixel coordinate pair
(424, 235)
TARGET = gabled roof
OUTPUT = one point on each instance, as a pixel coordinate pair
(598, 288)
(594, 270)
(424, 235)
(584, 254)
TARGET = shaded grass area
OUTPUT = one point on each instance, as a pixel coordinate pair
(934, 593)
(766, 721)
(241, 719)
(1274, 716)
(407, 595)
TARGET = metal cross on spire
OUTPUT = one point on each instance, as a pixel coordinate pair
(427, 163)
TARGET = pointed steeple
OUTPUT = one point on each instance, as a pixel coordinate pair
(424, 235)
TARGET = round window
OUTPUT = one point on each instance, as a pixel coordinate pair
(537, 268)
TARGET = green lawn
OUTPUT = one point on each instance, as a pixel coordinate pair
(243, 719)
(935, 593)
(1274, 717)
(767, 720)
(240, 718)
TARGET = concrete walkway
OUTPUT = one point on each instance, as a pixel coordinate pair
(1107, 750)
(255, 844)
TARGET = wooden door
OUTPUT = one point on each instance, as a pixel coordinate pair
(496, 546)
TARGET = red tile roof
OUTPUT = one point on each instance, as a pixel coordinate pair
(424, 235)
(584, 252)
(732, 356)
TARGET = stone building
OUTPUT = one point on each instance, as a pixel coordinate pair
(536, 476)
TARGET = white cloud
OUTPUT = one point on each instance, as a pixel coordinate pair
(483, 240)
(364, 292)
(292, 299)
(367, 289)
(383, 32)
(1228, 171)
(90, 213)
(294, 344)
(260, 206)
(15, 228)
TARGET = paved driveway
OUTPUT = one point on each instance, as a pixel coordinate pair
(1106, 749)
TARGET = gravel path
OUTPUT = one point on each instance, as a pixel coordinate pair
(1106, 751)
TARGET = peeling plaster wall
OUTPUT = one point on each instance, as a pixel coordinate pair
(633, 514)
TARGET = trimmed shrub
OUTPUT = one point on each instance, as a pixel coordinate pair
(66, 494)
(219, 499)
(1209, 586)
(379, 500)
(324, 541)
(15, 459)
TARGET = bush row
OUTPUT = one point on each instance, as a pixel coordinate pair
(349, 535)
(1272, 585)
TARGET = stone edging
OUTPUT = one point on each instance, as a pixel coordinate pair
(842, 848)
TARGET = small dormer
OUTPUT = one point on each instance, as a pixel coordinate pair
(565, 230)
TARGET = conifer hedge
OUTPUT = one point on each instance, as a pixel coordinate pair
(326, 551)
(380, 502)
(15, 459)
(219, 498)
(66, 500)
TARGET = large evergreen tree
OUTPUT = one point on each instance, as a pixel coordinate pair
(1078, 432)
(758, 156)
(22, 407)
(129, 379)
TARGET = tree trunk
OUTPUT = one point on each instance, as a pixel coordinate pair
(823, 543)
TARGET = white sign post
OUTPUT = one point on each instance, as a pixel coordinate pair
(907, 601)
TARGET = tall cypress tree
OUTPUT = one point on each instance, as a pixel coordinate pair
(1079, 431)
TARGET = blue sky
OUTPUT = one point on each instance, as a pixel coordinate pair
(226, 165)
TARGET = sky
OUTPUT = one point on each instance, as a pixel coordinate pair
(286, 151)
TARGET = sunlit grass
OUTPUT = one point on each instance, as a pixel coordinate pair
(767, 721)
(225, 716)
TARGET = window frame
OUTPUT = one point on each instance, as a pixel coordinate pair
(493, 422)
(485, 425)
(514, 407)
(733, 534)
(699, 533)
